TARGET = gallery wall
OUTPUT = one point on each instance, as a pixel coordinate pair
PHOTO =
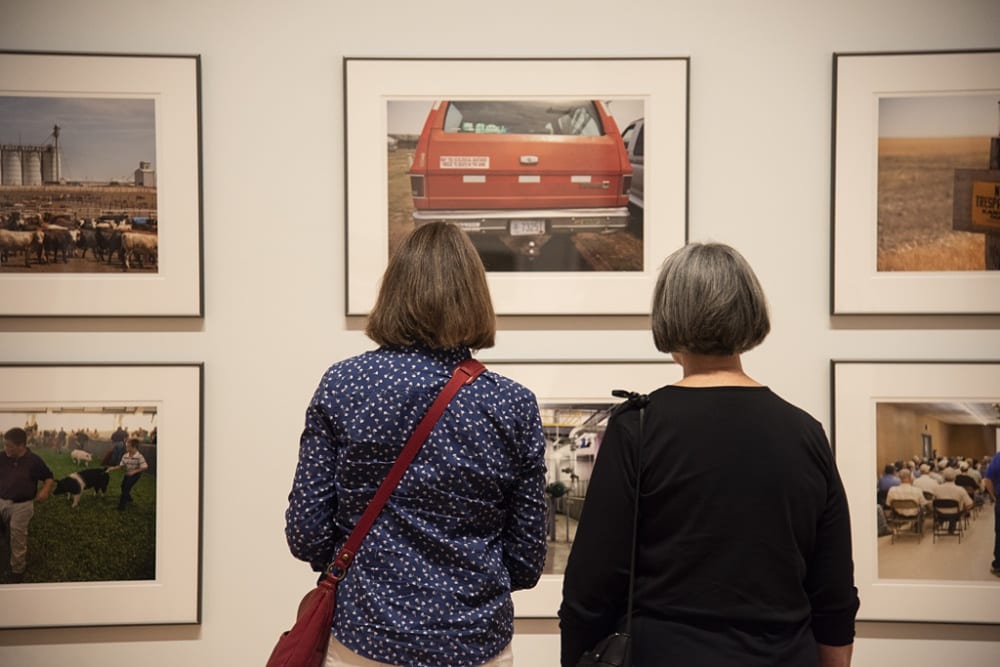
(273, 198)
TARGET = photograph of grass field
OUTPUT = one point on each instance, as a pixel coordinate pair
(915, 142)
(915, 182)
(91, 542)
(140, 559)
(922, 141)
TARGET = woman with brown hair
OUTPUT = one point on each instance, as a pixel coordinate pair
(431, 583)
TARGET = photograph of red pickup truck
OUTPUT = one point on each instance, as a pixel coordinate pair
(541, 162)
(539, 184)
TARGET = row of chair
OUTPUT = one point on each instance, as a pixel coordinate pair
(907, 517)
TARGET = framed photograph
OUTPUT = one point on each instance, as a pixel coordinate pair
(100, 185)
(931, 418)
(542, 162)
(575, 401)
(122, 524)
(916, 214)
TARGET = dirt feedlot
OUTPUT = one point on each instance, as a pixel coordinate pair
(77, 202)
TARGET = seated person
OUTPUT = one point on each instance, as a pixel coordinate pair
(951, 491)
(925, 481)
(969, 483)
(906, 491)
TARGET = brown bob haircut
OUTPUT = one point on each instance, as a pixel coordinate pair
(434, 293)
(708, 301)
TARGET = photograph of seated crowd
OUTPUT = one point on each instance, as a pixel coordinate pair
(936, 490)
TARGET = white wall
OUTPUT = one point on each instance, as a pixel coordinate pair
(271, 90)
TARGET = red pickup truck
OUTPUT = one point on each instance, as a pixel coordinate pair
(521, 169)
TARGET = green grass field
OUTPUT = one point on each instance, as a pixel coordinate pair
(93, 542)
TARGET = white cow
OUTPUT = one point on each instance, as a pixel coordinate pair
(138, 245)
(15, 241)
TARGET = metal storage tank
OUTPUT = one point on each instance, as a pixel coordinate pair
(51, 165)
(10, 167)
(31, 167)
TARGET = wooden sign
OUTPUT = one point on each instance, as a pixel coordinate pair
(976, 202)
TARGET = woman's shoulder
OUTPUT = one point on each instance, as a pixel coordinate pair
(380, 361)
(757, 398)
(502, 384)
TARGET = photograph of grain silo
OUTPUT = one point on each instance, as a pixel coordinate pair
(77, 184)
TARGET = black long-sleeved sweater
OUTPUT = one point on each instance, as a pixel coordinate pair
(744, 536)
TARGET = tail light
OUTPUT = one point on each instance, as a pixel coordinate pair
(626, 183)
(417, 185)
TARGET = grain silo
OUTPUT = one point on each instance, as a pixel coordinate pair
(52, 159)
(10, 165)
(31, 166)
(51, 165)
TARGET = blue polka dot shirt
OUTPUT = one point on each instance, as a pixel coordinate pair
(431, 583)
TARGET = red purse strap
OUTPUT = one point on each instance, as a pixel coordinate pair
(465, 373)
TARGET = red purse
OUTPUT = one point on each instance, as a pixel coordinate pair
(305, 645)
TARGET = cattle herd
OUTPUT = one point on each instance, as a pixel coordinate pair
(107, 243)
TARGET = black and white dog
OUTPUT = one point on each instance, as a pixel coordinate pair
(74, 485)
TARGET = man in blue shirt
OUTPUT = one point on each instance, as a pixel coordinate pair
(886, 482)
(991, 479)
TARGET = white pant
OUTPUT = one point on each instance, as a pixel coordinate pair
(16, 517)
(338, 655)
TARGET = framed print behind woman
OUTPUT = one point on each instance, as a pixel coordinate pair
(126, 536)
(916, 211)
(100, 185)
(541, 162)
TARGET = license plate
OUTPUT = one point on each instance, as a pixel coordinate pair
(527, 227)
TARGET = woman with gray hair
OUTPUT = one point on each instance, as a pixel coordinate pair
(744, 544)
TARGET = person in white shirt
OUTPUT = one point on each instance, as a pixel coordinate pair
(951, 491)
(906, 491)
(134, 464)
(926, 481)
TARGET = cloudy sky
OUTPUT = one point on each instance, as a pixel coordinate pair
(101, 138)
(939, 116)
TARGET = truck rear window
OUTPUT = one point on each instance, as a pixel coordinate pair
(553, 117)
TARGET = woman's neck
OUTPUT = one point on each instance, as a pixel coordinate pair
(708, 370)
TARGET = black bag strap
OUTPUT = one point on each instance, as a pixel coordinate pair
(641, 401)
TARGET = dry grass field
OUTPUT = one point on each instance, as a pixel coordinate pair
(915, 183)
(617, 251)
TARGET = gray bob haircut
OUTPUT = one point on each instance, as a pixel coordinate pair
(708, 301)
